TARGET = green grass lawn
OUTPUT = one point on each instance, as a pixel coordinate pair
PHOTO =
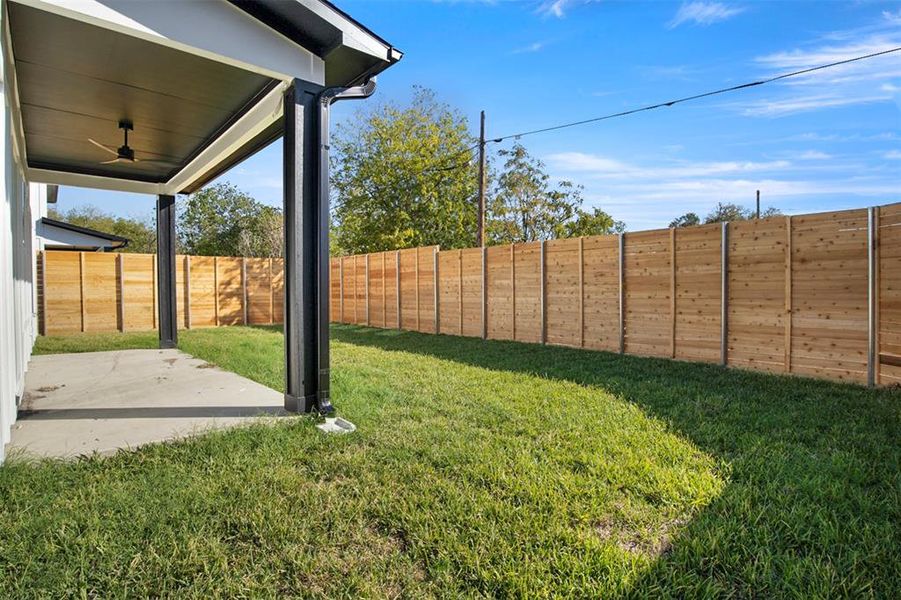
(478, 469)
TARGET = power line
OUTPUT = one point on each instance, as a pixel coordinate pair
(698, 96)
(437, 167)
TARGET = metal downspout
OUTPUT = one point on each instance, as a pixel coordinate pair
(326, 98)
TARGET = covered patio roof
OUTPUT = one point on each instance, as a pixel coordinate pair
(161, 97)
(200, 82)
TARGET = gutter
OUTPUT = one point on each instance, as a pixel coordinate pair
(326, 98)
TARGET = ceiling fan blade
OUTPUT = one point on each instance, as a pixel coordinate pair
(111, 162)
(101, 146)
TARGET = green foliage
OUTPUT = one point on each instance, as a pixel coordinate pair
(593, 222)
(526, 207)
(403, 177)
(140, 233)
(687, 220)
(727, 211)
(478, 469)
(221, 220)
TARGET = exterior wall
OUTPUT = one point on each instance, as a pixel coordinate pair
(18, 319)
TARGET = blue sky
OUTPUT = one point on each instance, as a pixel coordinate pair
(829, 140)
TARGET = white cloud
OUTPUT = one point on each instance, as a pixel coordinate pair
(814, 155)
(878, 68)
(703, 13)
(647, 196)
(556, 8)
(593, 166)
(892, 155)
(892, 17)
(861, 82)
(885, 136)
(798, 104)
(533, 47)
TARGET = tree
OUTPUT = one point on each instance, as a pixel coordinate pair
(595, 222)
(140, 233)
(687, 220)
(525, 207)
(264, 234)
(727, 211)
(404, 177)
(221, 220)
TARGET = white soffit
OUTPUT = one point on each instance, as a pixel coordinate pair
(208, 28)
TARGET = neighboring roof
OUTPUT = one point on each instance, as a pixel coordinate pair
(117, 240)
(351, 52)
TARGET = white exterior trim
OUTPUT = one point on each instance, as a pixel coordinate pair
(207, 28)
(11, 88)
(93, 181)
(266, 112)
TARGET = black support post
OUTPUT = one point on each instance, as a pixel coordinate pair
(306, 254)
(165, 271)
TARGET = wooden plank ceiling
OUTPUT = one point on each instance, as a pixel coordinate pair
(77, 81)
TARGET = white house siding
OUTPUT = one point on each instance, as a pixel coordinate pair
(18, 321)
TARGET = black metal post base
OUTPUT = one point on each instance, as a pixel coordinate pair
(300, 404)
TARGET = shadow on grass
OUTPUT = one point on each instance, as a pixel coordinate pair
(814, 497)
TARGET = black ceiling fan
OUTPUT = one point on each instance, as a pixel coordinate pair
(125, 154)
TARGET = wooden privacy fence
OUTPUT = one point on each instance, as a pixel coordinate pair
(816, 294)
(97, 291)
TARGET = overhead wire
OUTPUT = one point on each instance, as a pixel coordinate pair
(666, 104)
(699, 96)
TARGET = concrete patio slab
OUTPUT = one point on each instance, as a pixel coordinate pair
(102, 401)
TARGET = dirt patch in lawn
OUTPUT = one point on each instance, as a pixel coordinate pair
(652, 543)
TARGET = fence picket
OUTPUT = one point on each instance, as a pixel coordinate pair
(824, 279)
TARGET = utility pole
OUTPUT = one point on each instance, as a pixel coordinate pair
(758, 204)
(480, 237)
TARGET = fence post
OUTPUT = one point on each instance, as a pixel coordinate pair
(581, 292)
(120, 267)
(513, 287)
(354, 279)
(216, 289)
(244, 286)
(153, 279)
(397, 285)
(871, 296)
(484, 293)
(622, 293)
(366, 265)
(877, 258)
(81, 289)
(341, 289)
(788, 294)
(724, 294)
(271, 294)
(384, 294)
(460, 286)
(188, 291)
(418, 320)
(672, 291)
(543, 256)
(44, 291)
(435, 281)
